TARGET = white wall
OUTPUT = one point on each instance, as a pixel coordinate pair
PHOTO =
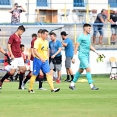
(96, 68)
(5, 16)
(61, 4)
(56, 4)
(98, 4)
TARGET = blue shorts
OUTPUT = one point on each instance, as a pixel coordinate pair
(97, 29)
(84, 62)
(39, 65)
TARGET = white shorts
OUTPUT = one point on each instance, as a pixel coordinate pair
(31, 65)
(17, 62)
(8, 68)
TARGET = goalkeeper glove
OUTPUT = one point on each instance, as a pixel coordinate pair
(100, 58)
(8, 59)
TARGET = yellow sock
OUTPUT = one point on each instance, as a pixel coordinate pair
(50, 81)
(32, 80)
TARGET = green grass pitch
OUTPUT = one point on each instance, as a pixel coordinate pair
(81, 102)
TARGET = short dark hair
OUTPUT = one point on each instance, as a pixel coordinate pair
(43, 31)
(21, 28)
(103, 10)
(40, 30)
(34, 35)
(52, 33)
(86, 25)
(21, 45)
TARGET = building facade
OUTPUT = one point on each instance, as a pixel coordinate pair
(55, 11)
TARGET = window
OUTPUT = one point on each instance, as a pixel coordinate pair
(42, 3)
(113, 3)
(5, 3)
(79, 3)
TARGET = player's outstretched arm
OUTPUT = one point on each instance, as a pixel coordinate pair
(94, 50)
(76, 48)
(2, 51)
(38, 55)
(75, 52)
(32, 52)
(10, 51)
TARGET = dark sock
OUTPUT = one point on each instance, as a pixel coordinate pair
(27, 77)
(5, 76)
(20, 79)
(11, 78)
(72, 76)
(40, 81)
(44, 78)
(68, 77)
(16, 77)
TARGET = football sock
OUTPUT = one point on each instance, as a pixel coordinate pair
(40, 81)
(91, 85)
(5, 76)
(32, 80)
(72, 83)
(68, 77)
(50, 81)
(76, 76)
(21, 79)
(27, 77)
(89, 77)
(72, 76)
(17, 75)
(11, 78)
(45, 77)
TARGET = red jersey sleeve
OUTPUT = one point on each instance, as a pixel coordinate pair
(32, 43)
(5, 58)
(10, 41)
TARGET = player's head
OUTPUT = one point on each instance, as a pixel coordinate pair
(103, 11)
(34, 35)
(52, 36)
(87, 28)
(20, 30)
(22, 47)
(16, 5)
(64, 35)
(39, 32)
(44, 34)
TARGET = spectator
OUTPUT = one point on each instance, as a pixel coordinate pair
(55, 56)
(100, 19)
(113, 18)
(15, 19)
(69, 54)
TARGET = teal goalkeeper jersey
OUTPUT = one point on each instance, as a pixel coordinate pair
(84, 47)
